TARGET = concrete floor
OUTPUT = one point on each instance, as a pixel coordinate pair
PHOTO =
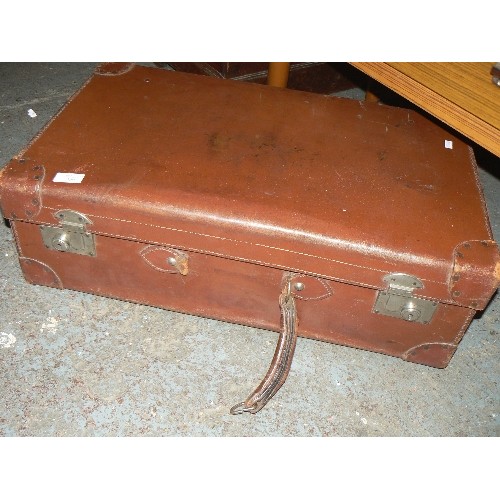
(74, 364)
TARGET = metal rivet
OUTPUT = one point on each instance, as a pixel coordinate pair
(299, 286)
(456, 293)
(466, 245)
(484, 243)
(36, 167)
(456, 277)
(172, 261)
(37, 177)
(473, 304)
(377, 311)
(22, 160)
(35, 202)
(61, 242)
(459, 254)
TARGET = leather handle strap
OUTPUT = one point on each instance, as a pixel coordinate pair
(282, 359)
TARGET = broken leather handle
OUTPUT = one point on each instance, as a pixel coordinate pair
(282, 359)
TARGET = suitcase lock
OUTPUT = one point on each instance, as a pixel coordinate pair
(72, 236)
(398, 300)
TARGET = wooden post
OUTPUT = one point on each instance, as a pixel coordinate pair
(371, 97)
(278, 74)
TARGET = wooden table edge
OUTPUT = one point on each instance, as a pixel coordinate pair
(442, 108)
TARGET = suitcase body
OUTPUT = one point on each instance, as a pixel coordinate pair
(207, 197)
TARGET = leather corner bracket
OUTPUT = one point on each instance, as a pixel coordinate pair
(22, 200)
(435, 354)
(39, 273)
(476, 273)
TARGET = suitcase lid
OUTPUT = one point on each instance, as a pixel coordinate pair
(318, 185)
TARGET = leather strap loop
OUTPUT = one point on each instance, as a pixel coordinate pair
(282, 359)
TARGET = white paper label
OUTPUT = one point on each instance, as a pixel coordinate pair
(68, 178)
(448, 144)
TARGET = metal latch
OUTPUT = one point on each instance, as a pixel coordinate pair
(398, 300)
(72, 235)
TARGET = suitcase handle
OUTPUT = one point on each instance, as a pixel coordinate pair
(282, 359)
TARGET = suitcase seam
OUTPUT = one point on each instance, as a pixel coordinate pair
(253, 244)
(221, 238)
(236, 241)
(16, 237)
(269, 264)
(472, 158)
(464, 327)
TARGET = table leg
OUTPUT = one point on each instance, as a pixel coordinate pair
(278, 74)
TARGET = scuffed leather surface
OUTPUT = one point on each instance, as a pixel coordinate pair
(476, 270)
(249, 181)
(284, 179)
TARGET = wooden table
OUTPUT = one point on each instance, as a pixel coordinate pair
(461, 95)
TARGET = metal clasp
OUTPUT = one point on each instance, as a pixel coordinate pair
(71, 236)
(398, 301)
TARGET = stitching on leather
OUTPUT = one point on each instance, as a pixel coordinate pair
(150, 249)
(16, 238)
(329, 291)
(452, 285)
(465, 325)
(235, 241)
(407, 353)
(239, 241)
(59, 280)
(253, 261)
(269, 264)
(480, 190)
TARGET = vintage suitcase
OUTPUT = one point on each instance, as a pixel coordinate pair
(333, 219)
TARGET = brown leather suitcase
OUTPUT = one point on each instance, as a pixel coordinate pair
(333, 219)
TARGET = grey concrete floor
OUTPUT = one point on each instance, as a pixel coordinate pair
(74, 364)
